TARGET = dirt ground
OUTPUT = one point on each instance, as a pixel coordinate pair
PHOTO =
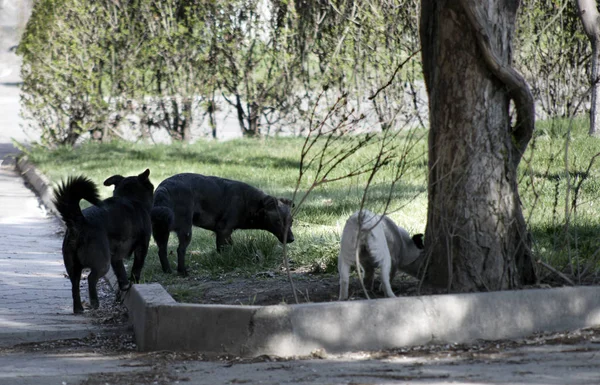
(271, 288)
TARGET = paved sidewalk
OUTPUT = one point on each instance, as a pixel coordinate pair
(35, 295)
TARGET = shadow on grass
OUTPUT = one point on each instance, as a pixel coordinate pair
(573, 250)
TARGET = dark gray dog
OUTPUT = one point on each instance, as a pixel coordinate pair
(107, 232)
(216, 204)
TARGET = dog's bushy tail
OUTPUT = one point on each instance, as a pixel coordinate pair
(67, 197)
(162, 220)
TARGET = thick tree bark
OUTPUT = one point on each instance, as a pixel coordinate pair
(476, 237)
(590, 18)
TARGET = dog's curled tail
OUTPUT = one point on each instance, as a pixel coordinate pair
(162, 220)
(67, 197)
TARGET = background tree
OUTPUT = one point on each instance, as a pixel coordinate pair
(175, 56)
(358, 47)
(551, 53)
(476, 236)
(590, 18)
(256, 70)
(64, 53)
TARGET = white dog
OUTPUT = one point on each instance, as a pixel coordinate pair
(381, 243)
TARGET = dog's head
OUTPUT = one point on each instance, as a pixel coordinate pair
(418, 241)
(275, 216)
(133, 187)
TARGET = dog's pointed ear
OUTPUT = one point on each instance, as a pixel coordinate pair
(115, 179)
(144, 176)
(418, 240)
(286, 201)
(268, 203)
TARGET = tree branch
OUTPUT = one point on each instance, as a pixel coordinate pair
(518, 90)
(393, 75)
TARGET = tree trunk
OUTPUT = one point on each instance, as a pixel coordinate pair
(73, 132)
(240, 114)
(186, 124)
(595, 101)
(144, 124)
(253, 119)
(590, 18)
(212, 121)
(476, 237)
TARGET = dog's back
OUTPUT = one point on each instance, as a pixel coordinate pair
(217, 204)
(205, 199)
(371, 231)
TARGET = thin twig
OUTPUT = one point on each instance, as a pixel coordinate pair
(567, 279)
(393, 75)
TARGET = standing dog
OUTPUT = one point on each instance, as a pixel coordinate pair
(107, 232)
(216, 204)
(381, 243)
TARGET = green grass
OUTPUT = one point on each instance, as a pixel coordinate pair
(564, 221)
(272, 165)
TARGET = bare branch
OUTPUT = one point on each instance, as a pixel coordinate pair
(564, 277)
(394, 74)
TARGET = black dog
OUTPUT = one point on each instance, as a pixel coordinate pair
(107, 232)
(216, 204)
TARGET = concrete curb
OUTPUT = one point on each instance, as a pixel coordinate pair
(160, 323)
(38, 181)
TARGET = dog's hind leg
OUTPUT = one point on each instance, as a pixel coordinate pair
(185, 237)
(344, 271)
(378, 248)
(162, 240)
(92, 288)
(347, 257)
(121, 273)
(369, 278)
(74, 272)
(95, 275)
(74, 269)
(139, 258)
